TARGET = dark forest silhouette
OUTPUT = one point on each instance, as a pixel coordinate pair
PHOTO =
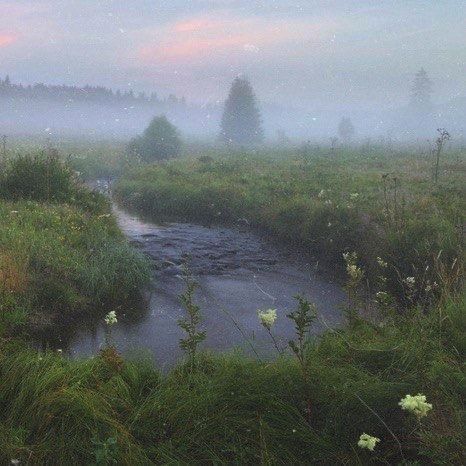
(86, 93)
(89, 110)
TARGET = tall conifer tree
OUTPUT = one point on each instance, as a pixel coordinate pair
(241, 122)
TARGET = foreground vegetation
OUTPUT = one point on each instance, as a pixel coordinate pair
(61, 252)
(231, 410)
(313, 402)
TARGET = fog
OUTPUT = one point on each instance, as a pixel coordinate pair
(106, 68)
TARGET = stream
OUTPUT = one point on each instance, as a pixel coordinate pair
(238, 272)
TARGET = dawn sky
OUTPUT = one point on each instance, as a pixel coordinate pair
(306, 53)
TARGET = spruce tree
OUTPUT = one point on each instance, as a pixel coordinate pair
(241, 121)
(421, 92)
(346, 130)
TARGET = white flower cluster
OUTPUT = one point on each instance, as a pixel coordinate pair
(267, 318)
(382, 297)
(111, 318)
(409, 281)
(381, 262)
(367, 441)
(430, 287)
(416, 404)
(354, 196)
(354, 272)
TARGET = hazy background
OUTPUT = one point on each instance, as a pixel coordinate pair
(310, 63)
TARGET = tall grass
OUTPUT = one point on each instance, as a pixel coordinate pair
(64, 255)
(375, 205)
(61, 252)
(232, 410)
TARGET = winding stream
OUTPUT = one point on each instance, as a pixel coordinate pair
(238, 273)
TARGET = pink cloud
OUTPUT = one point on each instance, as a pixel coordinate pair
(207, 36)
(196, 25)
(6, 39)
(193, 48)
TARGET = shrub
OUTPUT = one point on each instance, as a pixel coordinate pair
(159, 141)
(37, 177)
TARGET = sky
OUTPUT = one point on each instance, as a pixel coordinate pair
(306, 53)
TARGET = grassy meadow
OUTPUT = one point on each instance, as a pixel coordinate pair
(379, 206)
(61, 254)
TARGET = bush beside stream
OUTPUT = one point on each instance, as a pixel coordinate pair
(61, 252)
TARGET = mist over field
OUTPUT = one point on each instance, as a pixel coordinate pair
(87, 111)
(310, 64)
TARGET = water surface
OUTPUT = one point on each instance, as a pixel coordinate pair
(238, 272)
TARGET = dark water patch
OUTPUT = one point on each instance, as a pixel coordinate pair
(238, 272)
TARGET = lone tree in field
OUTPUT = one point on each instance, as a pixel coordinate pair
(241, 120)
(159, 141)
(421, 92)
(346, 130)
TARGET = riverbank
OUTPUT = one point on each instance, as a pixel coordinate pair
(230, 409)
(308, 406)
(379, 207)
(62, 254)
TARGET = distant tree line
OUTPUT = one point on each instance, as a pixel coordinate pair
(86, 93)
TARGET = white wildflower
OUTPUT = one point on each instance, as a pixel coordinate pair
(267, 318)
(382, 297)
(111, 318)
(328, 202)
(15, 461)
(354, 196)
(409, 281)
(367, 441)
(354, 272)
(321, 194)
(329, 224)
(416, 404)
(381, 262)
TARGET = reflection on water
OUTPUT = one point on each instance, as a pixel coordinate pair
(238, 273)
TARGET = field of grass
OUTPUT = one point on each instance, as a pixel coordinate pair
(376, 205)
(61, 253)
(231, 410)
